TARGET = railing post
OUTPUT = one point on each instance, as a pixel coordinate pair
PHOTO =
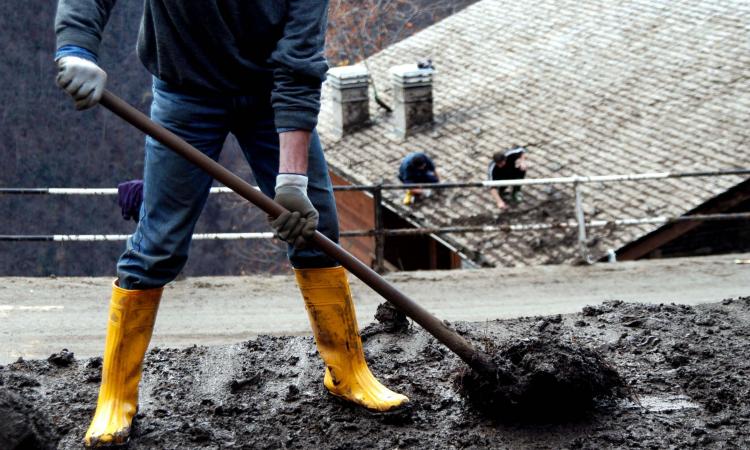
(377, 200)
(581, 219)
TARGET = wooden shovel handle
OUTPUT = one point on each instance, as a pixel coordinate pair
(436, 327)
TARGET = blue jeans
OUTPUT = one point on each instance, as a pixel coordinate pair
(175, 190)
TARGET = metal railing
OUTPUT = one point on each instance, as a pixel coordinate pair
(379, 233)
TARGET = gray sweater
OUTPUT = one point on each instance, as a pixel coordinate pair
(257, 47)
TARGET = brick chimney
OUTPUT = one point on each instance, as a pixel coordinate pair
(349, 95)
(412, 96)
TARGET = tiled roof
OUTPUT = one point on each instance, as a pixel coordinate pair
(589, 87)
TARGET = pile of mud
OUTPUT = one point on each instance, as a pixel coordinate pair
(542, 380)
(685, 364)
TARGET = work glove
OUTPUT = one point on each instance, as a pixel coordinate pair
(81, 79)
(130, 198)
(298, 224)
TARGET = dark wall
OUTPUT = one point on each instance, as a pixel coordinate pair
(417, 252)
(710, 238)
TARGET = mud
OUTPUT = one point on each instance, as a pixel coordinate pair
(685, 365)
(542, 379)
(554, 246)
(391, 318)
(21, 426)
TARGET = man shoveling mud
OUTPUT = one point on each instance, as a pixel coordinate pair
(253, 69)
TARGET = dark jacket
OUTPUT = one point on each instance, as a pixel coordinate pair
(507, 171)
(409, 173)
(230, 46)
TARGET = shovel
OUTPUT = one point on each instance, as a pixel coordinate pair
(477, 360)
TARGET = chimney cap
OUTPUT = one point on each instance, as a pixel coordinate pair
(348, 76)
(412, 75)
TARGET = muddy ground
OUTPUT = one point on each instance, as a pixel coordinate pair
(688, 366)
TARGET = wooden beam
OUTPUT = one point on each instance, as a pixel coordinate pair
(661, 236)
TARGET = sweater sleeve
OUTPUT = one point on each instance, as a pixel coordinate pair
(299, 65)
(74, 50)
(81, 23)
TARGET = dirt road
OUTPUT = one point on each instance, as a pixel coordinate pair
(39, 316)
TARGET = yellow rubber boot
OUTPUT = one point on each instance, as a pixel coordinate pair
(131, 321)
(408, 197)
(329, 305)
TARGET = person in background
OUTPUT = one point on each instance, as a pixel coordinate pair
(417, 167)
(507, 165)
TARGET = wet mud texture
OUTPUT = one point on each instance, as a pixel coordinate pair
(543, 380)
(685, 364)
(21, 427)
